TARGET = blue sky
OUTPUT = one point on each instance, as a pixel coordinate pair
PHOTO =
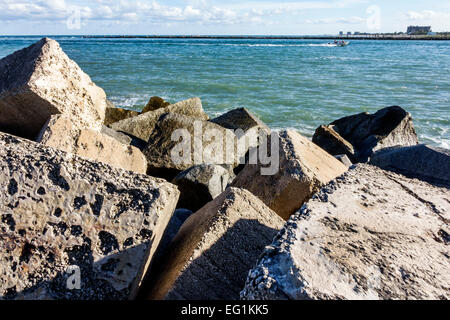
(269, 17)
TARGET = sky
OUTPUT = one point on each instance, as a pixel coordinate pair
(218, 17)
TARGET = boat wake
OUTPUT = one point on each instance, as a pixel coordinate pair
(283, 45)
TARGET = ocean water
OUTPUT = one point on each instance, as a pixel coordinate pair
(297, 84)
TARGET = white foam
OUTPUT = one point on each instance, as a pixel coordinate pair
(281, 45)
(129, 102)
(440, 142)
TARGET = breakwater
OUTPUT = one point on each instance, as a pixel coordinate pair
(352, 37)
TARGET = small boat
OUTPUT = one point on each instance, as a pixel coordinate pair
(339, 43)
(343, 44)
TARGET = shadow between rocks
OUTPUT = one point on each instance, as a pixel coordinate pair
(220, 272)
(105, 279)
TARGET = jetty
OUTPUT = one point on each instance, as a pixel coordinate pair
(253, 37)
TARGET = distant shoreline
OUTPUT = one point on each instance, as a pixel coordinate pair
(371, 37)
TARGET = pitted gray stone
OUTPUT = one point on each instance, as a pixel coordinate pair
(370, 234)
(60, 210)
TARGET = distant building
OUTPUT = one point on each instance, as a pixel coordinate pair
(349, 33)
(341, 33)
(418, 30)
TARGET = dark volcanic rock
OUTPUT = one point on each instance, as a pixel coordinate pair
(201, 184)
(60, 213)
(368, 133)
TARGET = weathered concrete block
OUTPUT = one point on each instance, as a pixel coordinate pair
(40, 81)
(240, 118)
(210, 257)
(367, 133)
(154, 104)
(303, 169)
(114, 114)
(124, 138)
(329, 140)
(59, 210)
(202, 184)
(422, 161)
(370, 234)
(250, 126)
(60, 133)
(119, 136)
(143, 125)
(167, 155)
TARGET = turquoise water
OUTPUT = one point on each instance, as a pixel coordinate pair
(297, 84)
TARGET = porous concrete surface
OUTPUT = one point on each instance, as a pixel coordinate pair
(41, 80)
(59, 210)
(61, 133)
(370, 234)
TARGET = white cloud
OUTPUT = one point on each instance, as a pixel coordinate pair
(201, 12)
(426, 15)
(439, 20)
(40, 10)
(293, 7)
